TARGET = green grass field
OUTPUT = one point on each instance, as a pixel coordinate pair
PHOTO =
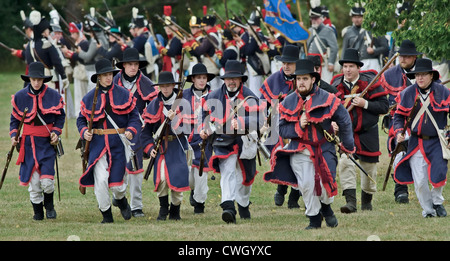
(79, 215)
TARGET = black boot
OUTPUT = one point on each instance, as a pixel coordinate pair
(279, 194)
(163, 208)
(229, 212)
(328, 214)
(199, 208)
(314, 222)
(350, 198)
(401, 194)
(49, 206)
(174, 212)
(38, 211)
(244, 212)
(366, 200)
(293, 198)
(191, 198)
(107, 216)
(124, 207)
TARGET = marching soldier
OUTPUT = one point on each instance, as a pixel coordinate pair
(195, 96)
(42, 126)
(131, 78)
(230, 50)
(171, 172)
(394, 81)
(171, 53)
(428, 148)
(235, 161)
(115, 114)
(365, 116)
(255, 50)
(370, 48)
(322, 42)
(80, 78)
(116, 45)
(309, 161)
(42, 50)
(281, 82)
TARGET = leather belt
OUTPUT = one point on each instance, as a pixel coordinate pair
(423, 137)
(170, 137)
(108, 131)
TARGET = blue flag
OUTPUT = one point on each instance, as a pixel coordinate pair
(279, 17)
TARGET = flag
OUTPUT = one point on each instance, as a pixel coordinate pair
(280, 18)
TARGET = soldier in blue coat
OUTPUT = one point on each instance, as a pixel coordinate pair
(42, 126)
(116, 119)
(424, 161)
(233, 110)
(196, 98)
(309, 161)
(141, 87)
(171, 172)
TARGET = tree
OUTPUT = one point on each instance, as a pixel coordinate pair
(427, 24)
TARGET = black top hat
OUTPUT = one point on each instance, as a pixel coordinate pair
(315, 59)
(200, 69)
(233, 69)
(351, 56)
(36, 70)
(408, 48)
(103, 66)
(290, 54)
(423, 65)
(131, 55)
(305, 66)
(166, 78)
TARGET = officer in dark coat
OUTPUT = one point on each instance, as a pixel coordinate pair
(365, 116)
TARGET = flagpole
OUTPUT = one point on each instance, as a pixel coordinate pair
(301, 22)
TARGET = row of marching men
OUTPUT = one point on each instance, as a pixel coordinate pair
(312, 119)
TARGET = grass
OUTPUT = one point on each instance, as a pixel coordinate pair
(79, 215)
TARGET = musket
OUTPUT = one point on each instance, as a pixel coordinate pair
(60, 17)
(166, 124)
(176, 33)
(333, 138)
(85, 158)
(375, 79)
(101, 27)
(6, 47)
(258, 40)
(21, 32)
(399, 147)
(150, 28)
(11, 151)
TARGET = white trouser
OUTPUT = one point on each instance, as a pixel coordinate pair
(101, 185)
(80, 89)
(135, 186)
(325, 74)
(91, 85)
(163, 187)
(39, 186)
(198, 184)
(371, 64)
(254, 82)
(304, 171)
(426, 197)
(216, 83)
(231, 180)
